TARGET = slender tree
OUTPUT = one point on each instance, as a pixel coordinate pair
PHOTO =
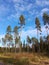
(9, 39)
(22, 23)
(28, 42)
(9, 29)
(48, 42)
(41, 44)
(16, 36)
(34, 42)
(4, 43)
(46, 21)
(8, 35)
(16, 42)
(38, 26)
(24, 46)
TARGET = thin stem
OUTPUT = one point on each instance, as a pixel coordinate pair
(37, 33)
(47, 31)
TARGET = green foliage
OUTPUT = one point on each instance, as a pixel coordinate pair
(17, 40)
(28, 39)
(37, 22)
(16, 29)
(9, 29)
(45, 18)
(13, 36)
(22, 20)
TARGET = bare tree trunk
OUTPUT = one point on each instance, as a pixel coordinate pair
(37, 33)
(6, 49)
(27, 47)
(20, 38)
(47, 31)
(38, 43)
(20, 50)
(15, 48)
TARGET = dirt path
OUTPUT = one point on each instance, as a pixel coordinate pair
(33, 63)
(1, 63)
(40, 63)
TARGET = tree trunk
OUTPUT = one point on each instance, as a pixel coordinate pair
(6, 50)
(38, 44)
(20, 37)
(27, 48)
(37, 33)
(15, 48)
(20, 50)
(47, 31)
(33, 48)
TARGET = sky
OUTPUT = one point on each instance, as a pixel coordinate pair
(10, 11)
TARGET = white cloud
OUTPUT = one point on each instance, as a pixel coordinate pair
(17, 1)
(33, 33)
(30, 32)
(1, 36)
(44, 10)
(20, 7)
(42, 2)
(3, 10)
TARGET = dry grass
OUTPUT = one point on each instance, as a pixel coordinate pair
(25, 58)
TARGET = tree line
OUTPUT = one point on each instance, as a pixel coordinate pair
(12, 39)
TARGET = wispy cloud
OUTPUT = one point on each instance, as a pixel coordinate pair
(12, 7)
(11, 10)
(44, 10)
(3, 10)
(42, 2)
(33, 33)
(6, 8)
(30, 32)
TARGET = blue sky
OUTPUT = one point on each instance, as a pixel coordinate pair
(10, 11)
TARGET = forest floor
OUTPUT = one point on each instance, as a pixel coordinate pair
(24, 59)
